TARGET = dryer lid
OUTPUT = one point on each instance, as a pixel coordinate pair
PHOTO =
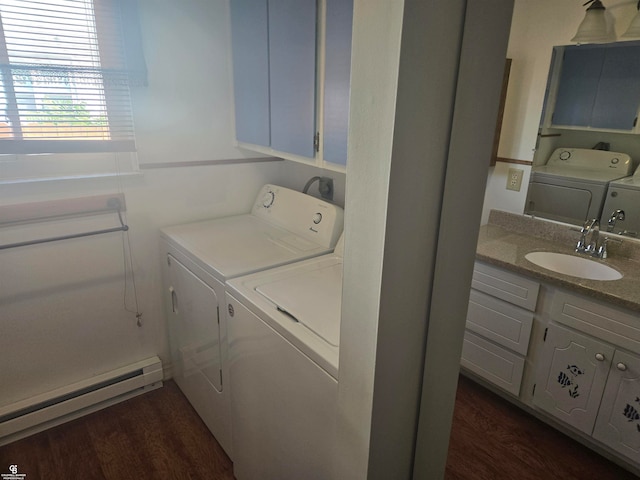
(233, 246)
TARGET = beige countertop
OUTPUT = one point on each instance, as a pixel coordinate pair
(507, 238)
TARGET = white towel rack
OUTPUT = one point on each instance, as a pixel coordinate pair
(40, 211)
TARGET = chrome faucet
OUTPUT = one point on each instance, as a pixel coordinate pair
(615, 216)
(590, 227)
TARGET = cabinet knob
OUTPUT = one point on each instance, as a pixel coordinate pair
(621, 366)
(599, 357)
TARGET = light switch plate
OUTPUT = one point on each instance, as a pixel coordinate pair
(514, 179)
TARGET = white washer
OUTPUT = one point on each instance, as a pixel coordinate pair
(624, 195)
(284, 226)
(572, 186)
(284, 336)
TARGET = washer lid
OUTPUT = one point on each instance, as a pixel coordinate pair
(232, 246)
(312, 297)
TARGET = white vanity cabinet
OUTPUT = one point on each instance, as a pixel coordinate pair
(499, 322)
(592, 383)
(291, 77)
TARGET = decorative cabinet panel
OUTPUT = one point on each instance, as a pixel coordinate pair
(599, 87)
(280, 48)
(618, 421)
(571, 376)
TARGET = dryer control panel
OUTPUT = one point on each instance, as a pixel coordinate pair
(588, 159)
(306, 216)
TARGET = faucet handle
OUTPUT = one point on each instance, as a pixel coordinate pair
(602, 249)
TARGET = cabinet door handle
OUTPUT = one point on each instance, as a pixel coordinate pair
(621, 366)
(174, 299)
(599, 357)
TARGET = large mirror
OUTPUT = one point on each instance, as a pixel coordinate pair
(588, 144)
(538, 27)
(588, 136)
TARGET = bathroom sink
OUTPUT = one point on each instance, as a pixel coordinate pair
(574, 266)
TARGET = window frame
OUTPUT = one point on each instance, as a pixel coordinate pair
(132, 72)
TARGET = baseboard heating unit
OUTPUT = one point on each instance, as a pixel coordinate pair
(38, 413)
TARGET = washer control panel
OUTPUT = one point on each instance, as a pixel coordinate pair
(307, 216)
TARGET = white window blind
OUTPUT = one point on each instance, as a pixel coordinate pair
(65, 74)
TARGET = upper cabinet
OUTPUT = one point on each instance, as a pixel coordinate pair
(250, 39)
(337, 75)
(291, 66)
(598, 87)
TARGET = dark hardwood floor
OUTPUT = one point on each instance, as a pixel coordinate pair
(155, 436)
(159, 436)
(491, 439)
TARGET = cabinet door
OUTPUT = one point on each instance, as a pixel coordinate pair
(194, 328)
(292, 75)
(337, 76)
(250, 50)
(581, 68)
(618, 96)
(618, 422)
(571, 376)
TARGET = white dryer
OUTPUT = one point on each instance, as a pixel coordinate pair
(284, 337)
(623, 195)
(284, 226)
(572, 186)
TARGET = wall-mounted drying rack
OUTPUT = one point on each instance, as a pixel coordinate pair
(51, 210)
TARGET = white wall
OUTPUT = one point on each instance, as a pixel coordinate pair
(537, 26)
(61, 304)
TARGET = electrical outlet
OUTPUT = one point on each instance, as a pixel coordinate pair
(514, 179)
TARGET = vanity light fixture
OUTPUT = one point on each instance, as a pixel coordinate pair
(594, 28)
(634, 28)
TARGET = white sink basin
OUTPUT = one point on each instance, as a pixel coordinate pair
(575, 266)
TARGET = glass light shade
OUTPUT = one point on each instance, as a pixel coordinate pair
(634, 29)
(594, 28)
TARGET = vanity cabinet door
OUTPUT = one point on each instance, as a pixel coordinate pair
(618, 422)
(571, 376)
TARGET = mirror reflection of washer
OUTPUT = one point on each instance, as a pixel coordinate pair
(284, 339)
(572, 186)
(624, 194)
